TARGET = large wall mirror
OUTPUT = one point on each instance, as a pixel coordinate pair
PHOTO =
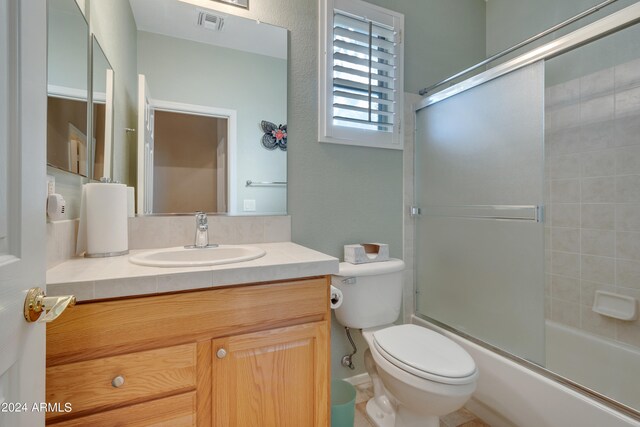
(67, 119)
(79, 135)
(205, 81)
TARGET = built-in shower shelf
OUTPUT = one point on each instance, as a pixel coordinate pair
(614, 305)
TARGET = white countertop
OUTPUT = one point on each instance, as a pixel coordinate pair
(97, 278)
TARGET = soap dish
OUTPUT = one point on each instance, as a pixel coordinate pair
(614, 305)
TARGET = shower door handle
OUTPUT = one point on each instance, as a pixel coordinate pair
(534, 213)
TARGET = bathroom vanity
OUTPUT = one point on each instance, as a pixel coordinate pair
(249, 352)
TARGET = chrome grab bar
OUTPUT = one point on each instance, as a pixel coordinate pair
(265, 183)
(505, 212)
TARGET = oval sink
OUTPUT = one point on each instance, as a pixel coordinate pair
(192, 257)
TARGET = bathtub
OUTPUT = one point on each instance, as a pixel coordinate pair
(608, 367)
(510, 394)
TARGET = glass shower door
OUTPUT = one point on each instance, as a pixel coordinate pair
(480, 236)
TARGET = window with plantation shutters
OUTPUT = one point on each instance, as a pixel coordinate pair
(361, 75)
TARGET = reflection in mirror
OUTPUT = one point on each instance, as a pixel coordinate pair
(68, 36)
(102, 118)
(217, 74)
(189, 176)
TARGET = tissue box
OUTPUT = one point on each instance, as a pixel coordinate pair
(366, 252)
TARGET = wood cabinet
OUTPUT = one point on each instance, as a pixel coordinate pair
(272, 379)
(250, 355)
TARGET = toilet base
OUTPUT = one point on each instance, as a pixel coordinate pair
(378, 417)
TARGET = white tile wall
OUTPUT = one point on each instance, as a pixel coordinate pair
(592, 146)
(61, 241)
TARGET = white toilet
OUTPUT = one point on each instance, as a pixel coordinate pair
(418, 374)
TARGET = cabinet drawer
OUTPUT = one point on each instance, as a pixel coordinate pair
(175, 411)
(107, 328)
(89, 385)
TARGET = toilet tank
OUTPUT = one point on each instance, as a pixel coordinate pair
(372, 293)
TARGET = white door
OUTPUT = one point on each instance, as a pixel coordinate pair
(145, 148)
(23, 92)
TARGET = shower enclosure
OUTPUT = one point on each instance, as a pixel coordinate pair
(527, 177)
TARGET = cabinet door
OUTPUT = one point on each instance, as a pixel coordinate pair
(278, 377)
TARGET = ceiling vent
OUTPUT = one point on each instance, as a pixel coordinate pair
(210, 21)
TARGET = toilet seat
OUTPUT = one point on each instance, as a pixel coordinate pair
(425, 354)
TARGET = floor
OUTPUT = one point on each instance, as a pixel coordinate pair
(461, 418)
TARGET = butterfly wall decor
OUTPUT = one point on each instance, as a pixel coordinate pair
(274, 136)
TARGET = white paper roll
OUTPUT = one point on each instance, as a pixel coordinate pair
(336, 297)
(106, 219)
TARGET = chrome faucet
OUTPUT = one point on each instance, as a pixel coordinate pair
(202, 233)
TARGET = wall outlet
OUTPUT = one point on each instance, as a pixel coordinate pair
(51, 185)
(249, 205)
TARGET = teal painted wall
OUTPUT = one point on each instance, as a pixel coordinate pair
(441, 37)
(512, 21)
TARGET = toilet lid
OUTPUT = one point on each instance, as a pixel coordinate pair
(425, 353)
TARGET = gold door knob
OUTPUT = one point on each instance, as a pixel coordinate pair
(37, 303)
(221, 353)
(118, 381)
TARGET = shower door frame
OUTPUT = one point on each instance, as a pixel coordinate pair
(608, 25)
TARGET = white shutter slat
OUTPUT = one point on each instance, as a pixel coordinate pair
(347, 47)
(354, 72)
(358, 97)
(351, 59)
(363, 38)
(363, 87)
(363, 110)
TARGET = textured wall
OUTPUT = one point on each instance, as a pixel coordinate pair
(512, 21)
(441, 38)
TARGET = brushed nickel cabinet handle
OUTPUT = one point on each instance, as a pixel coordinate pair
(221, 353)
